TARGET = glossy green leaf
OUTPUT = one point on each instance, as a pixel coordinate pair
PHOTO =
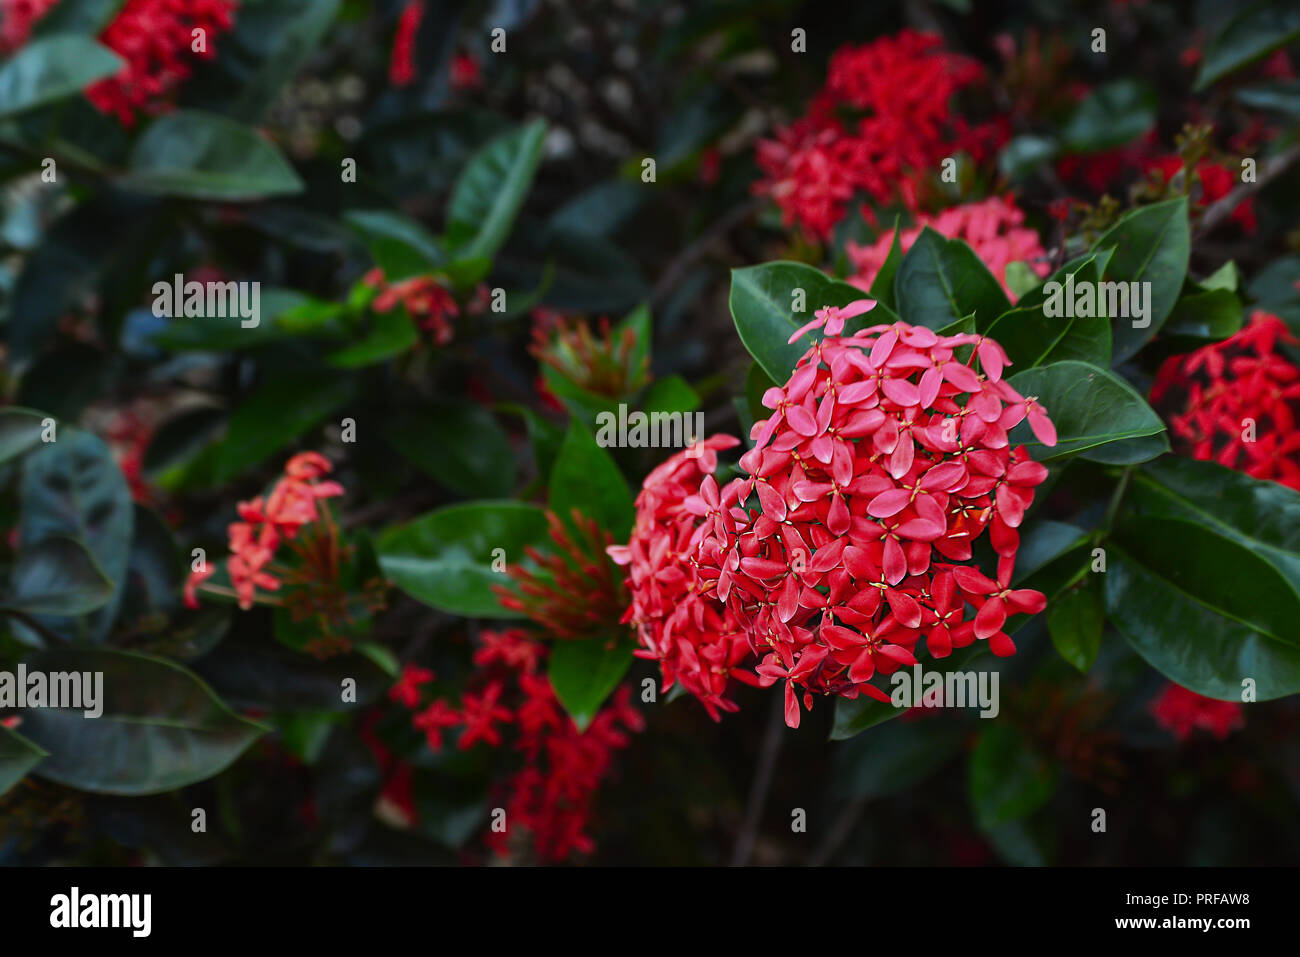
(1090, 408)
(1254, 32)
(1151, 244)
(458, 442)
(276, 414)
(200, 155)
(1261, 516)
(882, 286)
(941, 280)
(74, 487)
(586, 478)
(1075, 621)
(1212, 314)
(445, 558)
(583, 673)
(401, 247)
(162, 727)
(763, 305)
(20, 431)
(1110, 116)
(390, 334)
(51, 68)
(58, 576)
(1202, 610)
(491, 189)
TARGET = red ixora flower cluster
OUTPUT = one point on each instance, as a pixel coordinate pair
(1181, 711)
(885, 457)
(679, 622)
(551, 795)
(427, 301)
(264, 524)
(156, 38)
(895, 92)
(1238, 402)
(992, 227)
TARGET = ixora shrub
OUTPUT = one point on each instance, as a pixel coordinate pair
(444, 435)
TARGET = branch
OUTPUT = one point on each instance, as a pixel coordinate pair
(1221, 209)
(673, 273)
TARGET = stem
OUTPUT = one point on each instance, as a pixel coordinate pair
(1221, 209)
(1113, 507)
(839, 833)
(762, 783)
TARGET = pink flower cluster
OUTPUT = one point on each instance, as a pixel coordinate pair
(265, 523)
(881, 124)
(679, 622)
(992, 227)
(885, 457)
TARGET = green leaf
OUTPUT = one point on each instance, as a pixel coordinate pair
(583, 673)
(586, 478)
(1021, 278)
(1110, 116)
(1025, 154)
(1225, 277)
(670, 394)
(459, 443)
(763, 300)
(444, 559)
(204, 156)
(58, 576)
(1213, 314)
(401, 247)
(1282, 96)
(1090, 408)
(276, 414)
(162, 727)
(1075, 621)
(1033, 338)
(1152, 244)
(20, 431)
(882, 287)
(491, 189)
(50, 68)
(74, 487)
(1250, 35)
(1261, 516)
(17, 758)
(1009, 779)
(1202, 610)
(941, 280)
(391, 334)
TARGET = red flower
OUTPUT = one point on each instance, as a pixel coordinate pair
(401, 68)
(407, 690)
(1236, 402)
(481, 713)
(1180, 711)
(884, 454)
(696, 641)
(879, 125)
